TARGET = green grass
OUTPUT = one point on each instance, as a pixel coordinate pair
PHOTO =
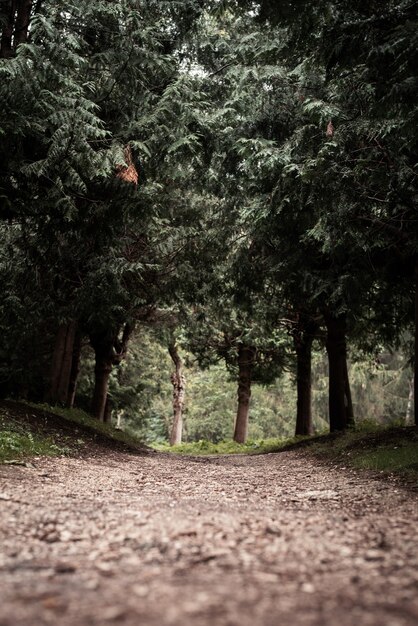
(397, 459)
(20, 440)
(225, 447)
(386, 450)
(77, 416)
(369, 447)
(16, 444)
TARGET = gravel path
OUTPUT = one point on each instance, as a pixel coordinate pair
(271, 540)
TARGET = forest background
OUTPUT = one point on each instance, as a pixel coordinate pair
(223, 188)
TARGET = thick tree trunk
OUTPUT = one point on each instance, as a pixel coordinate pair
(61, 364)
(416, 347)
(75, 370)
(102, 372)
(179, 387)
(22, 22)
(245, 363)
(337, 356)
(303, 347)
(8, 14)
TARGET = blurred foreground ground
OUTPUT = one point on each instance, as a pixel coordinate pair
(158, 540)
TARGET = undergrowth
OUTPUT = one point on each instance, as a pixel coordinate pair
(386, 450)
(16, 443)
(262, 446)
(369, 446)
(84, 419)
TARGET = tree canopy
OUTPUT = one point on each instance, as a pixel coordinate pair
(241, 174)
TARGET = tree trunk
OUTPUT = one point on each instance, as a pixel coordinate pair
(107, 416)
(8, 14)
(416, 347)
(303, 347)
(408, 415)
(245, 363)
(22, 22)
(109, 351)
(348, 399)
(61, 364)
(102, 372)
(337, 356)
(179, 386)
(75, 370)
(64, 382)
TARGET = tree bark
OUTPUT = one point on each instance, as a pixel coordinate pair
(245, 364)
(75, 370)
(102, 370)
(8, 13)
(57, 392)
(303, 346)
(416, 347)
(348, 399)
(107, 416)
(109, 351)
(22, 22)
(179, 387)
(408, 415)
(337, 355)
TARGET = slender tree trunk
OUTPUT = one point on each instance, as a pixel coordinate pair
(75, 370)
(22, 22)
(109, 351)
(337, 359)
(102, 372)
(57, 358)
(408, 415)
(348, 399)
(61, 364)
(303, 347)
(245, 363)
(8, 14)
(416, 347)
(179, 387)
(107, 416)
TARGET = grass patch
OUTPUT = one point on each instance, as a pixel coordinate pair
(86, 421)
(16, 443)
(369, 447)
(225, 447)
(387, 450)
(402, 458)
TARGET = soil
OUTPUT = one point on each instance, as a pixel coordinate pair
(154, 539)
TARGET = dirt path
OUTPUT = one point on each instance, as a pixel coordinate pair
(156, 540)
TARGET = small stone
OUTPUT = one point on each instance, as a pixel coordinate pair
(113, 613)
(140, 590)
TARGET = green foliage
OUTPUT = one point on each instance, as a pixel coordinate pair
(276, 153)
(204, 448)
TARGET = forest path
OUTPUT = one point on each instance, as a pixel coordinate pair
(270, 540)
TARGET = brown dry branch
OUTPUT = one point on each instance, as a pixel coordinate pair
(128, 173)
